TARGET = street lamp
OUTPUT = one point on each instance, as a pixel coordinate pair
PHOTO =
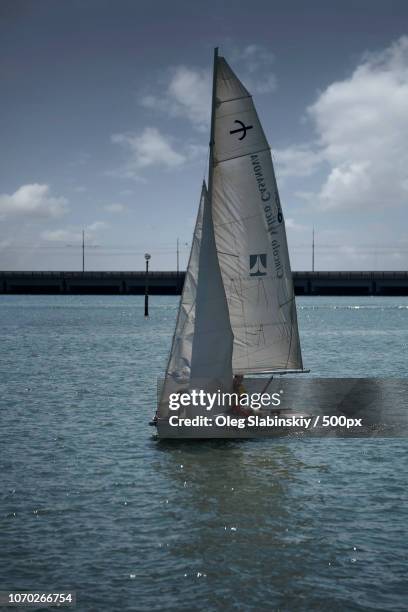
(147, 257)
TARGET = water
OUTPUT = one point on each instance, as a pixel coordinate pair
(90, 502)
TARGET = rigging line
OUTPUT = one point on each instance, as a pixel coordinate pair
(265, 292)
(205, 168)
(189, 313)
(233, 99)
(229, 254)
(287, 302)
(267, 384)
(220, 161)
(240, 220)
(234, 113)
(265, 324)
(291, 334)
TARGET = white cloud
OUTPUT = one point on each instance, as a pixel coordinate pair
(256, 56)
(346, 184)
(63, 235)
(96, 226)
(187, 90)
(297, 160)
(115, 207)
(186, 94)
(256, 73)
(74, 233)
(362, 124)
(195, 151)
(149, 148)
(292, 225)
(190, 90)
(362, 130)
(32, 200)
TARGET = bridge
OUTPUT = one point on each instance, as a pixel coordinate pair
(171, 283)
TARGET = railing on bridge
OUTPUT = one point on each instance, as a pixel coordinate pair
(171, 282)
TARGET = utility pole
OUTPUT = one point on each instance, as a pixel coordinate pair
(83, 251)
(313, 251)
(146, 303)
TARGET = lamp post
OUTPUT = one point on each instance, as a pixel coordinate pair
(147, 257)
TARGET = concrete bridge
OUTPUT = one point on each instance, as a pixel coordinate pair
(171, 283)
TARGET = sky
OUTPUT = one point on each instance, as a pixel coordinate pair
(104, 124)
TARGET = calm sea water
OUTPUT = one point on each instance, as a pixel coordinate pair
(90, 502)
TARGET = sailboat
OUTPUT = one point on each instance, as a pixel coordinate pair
(237, 312)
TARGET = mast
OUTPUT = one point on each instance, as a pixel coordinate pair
(212, 132)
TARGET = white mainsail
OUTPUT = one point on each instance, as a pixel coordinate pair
(250, 235)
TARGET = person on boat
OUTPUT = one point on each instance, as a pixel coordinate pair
(239, 389)
(238, 384)
(153, 422)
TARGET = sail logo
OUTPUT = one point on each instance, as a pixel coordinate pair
(242, 129)
(257, 265)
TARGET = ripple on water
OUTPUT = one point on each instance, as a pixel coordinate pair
(90, 502)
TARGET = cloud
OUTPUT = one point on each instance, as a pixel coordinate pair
(74, 233)
(361, 125)
(256, 56)
(256, 74)
(346, 184)
(115, 207)
(62, 235)
(187, 93)
(292, 225)
(297, 160)
(32, 200)
(152, 148)
(96, 226)
(149, 148)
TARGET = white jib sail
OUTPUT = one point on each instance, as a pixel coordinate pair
(250, 235)
(179, 365)
(211, 358)
(201, 352)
